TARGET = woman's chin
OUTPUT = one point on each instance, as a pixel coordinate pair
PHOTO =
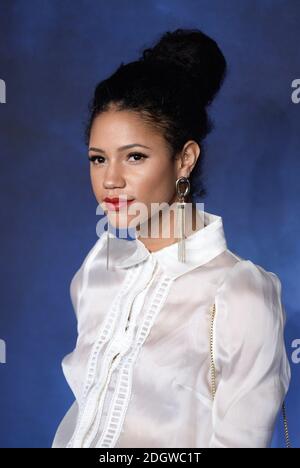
(120, 220)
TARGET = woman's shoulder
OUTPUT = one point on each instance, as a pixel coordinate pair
(248, 301)
(76, 283)
(244, 277)
(248, 276)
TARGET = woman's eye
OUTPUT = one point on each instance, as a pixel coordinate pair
(93, 159)
(138, 155)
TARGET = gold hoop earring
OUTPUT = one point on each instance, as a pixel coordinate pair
(182, 190)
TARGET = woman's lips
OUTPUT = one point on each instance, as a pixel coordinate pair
(116, 206)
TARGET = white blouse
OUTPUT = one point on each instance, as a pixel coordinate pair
(140, 371)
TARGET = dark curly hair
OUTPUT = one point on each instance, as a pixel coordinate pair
(169, 86)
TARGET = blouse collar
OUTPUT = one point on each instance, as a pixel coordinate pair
(201, 247)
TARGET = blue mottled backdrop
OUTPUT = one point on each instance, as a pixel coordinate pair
(52, 54)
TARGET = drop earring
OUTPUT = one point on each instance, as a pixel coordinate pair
(107, 246)
(182, 190)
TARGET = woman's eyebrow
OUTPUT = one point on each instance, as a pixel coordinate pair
(99, 150)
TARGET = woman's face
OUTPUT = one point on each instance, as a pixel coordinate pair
(145, 173)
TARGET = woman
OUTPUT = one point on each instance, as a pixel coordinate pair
(180, 341)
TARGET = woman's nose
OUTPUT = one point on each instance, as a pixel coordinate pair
(113, 177)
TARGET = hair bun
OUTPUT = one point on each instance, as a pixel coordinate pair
(195, 54)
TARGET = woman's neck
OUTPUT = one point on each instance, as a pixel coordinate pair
(166, 237)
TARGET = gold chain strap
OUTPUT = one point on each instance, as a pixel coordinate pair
(285, 425)
(213, 377)
(212, 364)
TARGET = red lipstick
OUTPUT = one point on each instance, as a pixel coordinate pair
(116, 203)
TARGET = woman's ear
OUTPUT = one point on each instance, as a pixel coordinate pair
(188, 158)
